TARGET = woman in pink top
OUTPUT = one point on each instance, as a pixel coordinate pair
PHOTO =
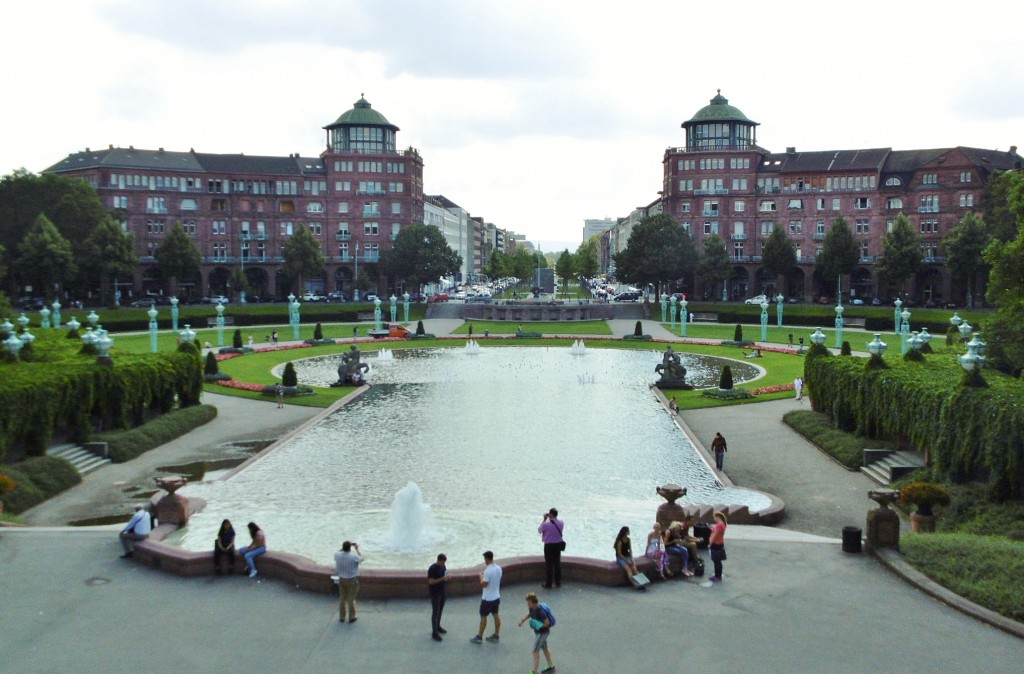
(716, 544)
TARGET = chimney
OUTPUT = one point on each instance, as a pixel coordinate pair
(86, 149)
(1013, 149)
(790, 150)
(161, 149)
(110, 147)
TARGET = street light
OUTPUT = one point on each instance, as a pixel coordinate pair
(73, 324)
(904, 330)
(394, 307)
(220, 323)
(764, 320)
(405, 305)
(152, 327)
(13, 344)
(673, 311)
(876, 347)
(965, 329)
(664, 306)
(896, 314)
(839, 326)
(187, 335)
(682, 317)
(779, 300)
(56, 313)
(174, 314)
(44, 317)
(355, 277)
(92, 318)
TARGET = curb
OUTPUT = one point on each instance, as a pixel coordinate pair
(894, 561)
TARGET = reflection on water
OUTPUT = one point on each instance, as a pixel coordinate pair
(492, 440)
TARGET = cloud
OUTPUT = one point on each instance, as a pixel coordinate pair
(993, 92)
(456, 38)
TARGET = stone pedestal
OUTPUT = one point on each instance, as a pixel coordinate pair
(883, 526)
(671, 511)
(172, 508)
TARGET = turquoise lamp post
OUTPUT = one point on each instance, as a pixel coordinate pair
(103, 344)
(44, 317)
(73, 324)
(779, 303)
(23, 322)
(664, 306)
(294, 315)
(174, 314)
(896, 314)
(188, 335)
(220, 323)
(764, 320)
(92, 318)
(7, 326)
(839, 326)
(405, 305)
(376, 313)
(673, 311)
(818, 337)
(904, 331)
(876, 347)
(682, 317)
(152, 327)
(13, 344)
(394, 307)
(56, 313)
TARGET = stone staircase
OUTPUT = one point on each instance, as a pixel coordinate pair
(885, 466)
(84, 460)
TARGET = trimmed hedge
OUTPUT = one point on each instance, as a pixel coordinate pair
(126, 445)
(38, 478)
(970, 433)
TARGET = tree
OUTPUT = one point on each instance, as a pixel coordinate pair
(778, 255)
(177, 257)
(587, 263)
(1002, 204)
(421, 255)
(964, 248)
(658, 250)
(1006, 291)
(239, 281)
(901, 253)
(713, 265)
(302, 257)
(565, 268)
(840, 253)
(523, 264)
(45, 259)
(498, 265)
(110, 254)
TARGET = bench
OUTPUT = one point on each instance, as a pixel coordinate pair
(702, 316)
(854, 322)
(211, 321)
(365, 316)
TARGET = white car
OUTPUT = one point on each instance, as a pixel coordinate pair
(756, 300)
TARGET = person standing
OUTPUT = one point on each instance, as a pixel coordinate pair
(471, 329)
(136, 530)
(551, 534)
(716, 545)
(279, 390)
(539, 616)
(254, 549)
(346, 566)
(490, 601)
(719, 447)
(798, 386)
(437, 584)
(224, 546)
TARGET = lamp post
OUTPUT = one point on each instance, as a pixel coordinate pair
(904, 331)
(839, 326)
(682, 317)
(925, 338)
(7, 326)
(972, 362)
(764, 320)
(779, 303)
(56, 313)
(152, 327)
(220, 323)
(664, 306)
(405, 305)
(174, 314)
(73, 325)
(88, 338)
(355, 277)
(673, 311)
(394, 307)
(103, 344)
(896, 314)
(44, 317)
(26, 337)
(964, 328)
(376, 313)
(293, 315)
(23, 322)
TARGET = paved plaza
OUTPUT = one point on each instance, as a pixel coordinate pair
(792, 600)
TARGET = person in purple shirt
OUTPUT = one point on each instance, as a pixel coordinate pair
(551, 534)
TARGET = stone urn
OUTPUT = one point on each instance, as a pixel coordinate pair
(671, 511)
(172, 508)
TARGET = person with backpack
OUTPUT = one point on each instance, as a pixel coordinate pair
(541, 621)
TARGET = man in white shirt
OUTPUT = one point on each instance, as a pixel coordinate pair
(490, 581)
(137, 529)
(346, 565)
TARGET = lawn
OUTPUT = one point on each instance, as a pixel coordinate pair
(544, 327)
(857, 338)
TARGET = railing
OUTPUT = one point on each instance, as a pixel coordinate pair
(245, 236)
(341, 258)
(371, 214)
(867, 258)
(767, 190)
(262, 236)
(745, 258)
(806, 259)
(739, 236)
(716, 191)
(819, 236)
(343, 236)
(928, 209)
(730, 147)
(370, 193)
(156, 211)
(710, 214)
(934, 259)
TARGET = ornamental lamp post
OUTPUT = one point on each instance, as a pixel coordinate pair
(664, 306)
(394, 307)
(355, 277)
(673, 311)
(972, 363)
(44, 317)
(103, 344)
(925, 337)
(174, 314)
(88, 337)
(220, 323)
(152, 327)
(73, 324)
(56, 313)
(296, 318)
(964, 328)
(818, 337)
(26, 337)
(779, 303)
(839, 326)
(956, 321)
(376, 313)
(7, 326)
(764, 320)
(92, 318)
(405, 305)
(682, 317)
(896, 314)
(904, 330)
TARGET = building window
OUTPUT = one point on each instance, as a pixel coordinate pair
(893, 182)
(220, 252)
(369, 187)
(155, 227)
(711, 207)
(189, 205)
(768, 185)
(343, 207)
(796, 226)
(396, 187)
(120, 202)
(894, 203)
(343, 186)
(189, 226)
(317, 228)
(370, 167)
(343, 166)
(686, 185)
(218, 204)
(287, 206)
(739, 184)
(685, 224)
(315, 187)
(929, 203)
(396, 208)
(767, 227)
(710, 227)
(837, 204)
(767, 206)
(396, 167)
(371, 228)
(712, 163)
(819, 227)
(860, 203)
(796, 204)
(219, 227)
(737, 248)
(930, 226)
(684, 207)
(315, 207)
(156, 205)
(930, 179)
(287, 228)
(965, 176)
(966, 200)
(739, 206)
(738, 163)
(861, 226)
(686, 164)
(864, 250)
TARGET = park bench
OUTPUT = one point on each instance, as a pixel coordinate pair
(211, 321)
(704, 316)
(854, 322)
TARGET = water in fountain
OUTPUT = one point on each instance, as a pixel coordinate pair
(578, 348)
(472, 347)
(385, 354)
(411, 521)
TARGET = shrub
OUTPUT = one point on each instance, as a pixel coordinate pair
(725, 380)
(7, 485)
(37, 479)
(25, 494)
(289, 378)
(211, 364)
(236, 339)
(925, 495)
(638, 330)
(126, 445)
(737, 333)
(318, 332)
(419, 328)
(845, 350)
(727, 394)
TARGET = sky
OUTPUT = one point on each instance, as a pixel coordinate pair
(532, 114)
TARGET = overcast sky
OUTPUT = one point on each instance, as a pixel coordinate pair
(532, 114)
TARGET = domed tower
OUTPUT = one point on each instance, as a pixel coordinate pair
(720, 126)
(361, 129)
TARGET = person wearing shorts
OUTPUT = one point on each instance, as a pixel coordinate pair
(541, 625)
(490, 601)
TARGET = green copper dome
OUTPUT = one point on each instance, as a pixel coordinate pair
(362, 114)
(719, 111)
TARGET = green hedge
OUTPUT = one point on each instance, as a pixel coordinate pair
(37, 479)
(126, 445)
(970, 433)
(67, 394)
(846, 448)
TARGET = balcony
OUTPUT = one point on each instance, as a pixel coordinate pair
(156, 210)
(806, 259)
(934, 259)
(867, 258)
(340, 258)
(767, 190)
(819, 236)
(718, 191)
(928, 209)
(371, 214)
(245, 236)
(710, 214)
(343, 236)
(738, 236)
(745, 258)
(370, 193)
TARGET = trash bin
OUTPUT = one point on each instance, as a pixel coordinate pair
(851, 539)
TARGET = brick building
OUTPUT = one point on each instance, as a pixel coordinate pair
(240, 210)
(721, 182)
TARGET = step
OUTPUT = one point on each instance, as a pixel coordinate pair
(876, 473)
(83, 460)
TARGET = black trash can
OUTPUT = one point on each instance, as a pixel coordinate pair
(702, 530)
(851, 539)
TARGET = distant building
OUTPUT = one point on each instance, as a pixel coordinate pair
(240, 209)
(595, 227)
(721, 182)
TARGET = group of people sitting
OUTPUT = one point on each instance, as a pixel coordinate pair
(224, 548)
(662, 545)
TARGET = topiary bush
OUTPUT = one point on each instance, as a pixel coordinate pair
(236, 339)
(845, 350)
(318, 332)
(737, 334)
(210, 368)
(289, 378)
(419, 328)
(638, 330)
(725, 380)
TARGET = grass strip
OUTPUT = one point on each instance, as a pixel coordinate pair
(846, 448)
(126, 445)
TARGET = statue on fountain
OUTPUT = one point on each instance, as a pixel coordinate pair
(673, 374)
(350, 372)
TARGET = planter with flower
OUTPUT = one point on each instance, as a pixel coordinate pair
(925, 496)
(7, 485)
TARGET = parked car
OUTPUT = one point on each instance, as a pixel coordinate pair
(337, 296)
(856, 301)
(314, 297)
(756, 300)
(627, 297)
(439, 297)
(370, 297)
(216, 299)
